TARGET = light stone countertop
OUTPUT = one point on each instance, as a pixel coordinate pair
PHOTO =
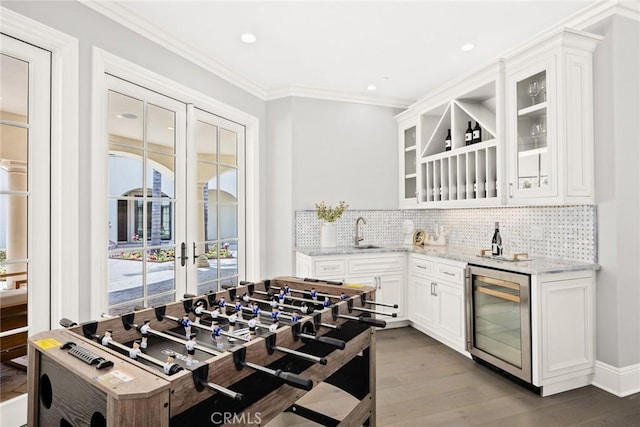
(535, 265)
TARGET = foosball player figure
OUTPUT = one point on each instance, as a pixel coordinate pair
(274, 326)
(245, 297)
(295, 317)
(198, 310)
(144, 330)
(191, 348)
(314, 294)
(238, 306)
(171, 360)
(255, 309)
(216, 332)
(222, 303)
(106, 339)
(326, 303)
(135, 350)
(215, 312)
(275, 313)
(304, 308)
(274, 302)
(343, 296)
(281, 295)
(186, 324)
(287, 289)
(233, 317)
(252, 327)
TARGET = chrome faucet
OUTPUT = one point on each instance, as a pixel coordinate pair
(358, 238)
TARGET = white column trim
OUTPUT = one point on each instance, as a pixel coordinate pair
(64, 157)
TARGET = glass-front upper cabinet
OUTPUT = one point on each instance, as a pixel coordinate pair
(534, 142)
(549, 108)
(408, 170)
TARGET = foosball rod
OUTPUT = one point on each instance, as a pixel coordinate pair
(208, 328)
(270, 344)
(333, 296)
(180, 340)
(294, 380)
(174, 368)
(382, 304)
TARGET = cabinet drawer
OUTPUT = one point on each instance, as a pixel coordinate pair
(329, 267)
(422, 267)
(376, 265)
(450, 273)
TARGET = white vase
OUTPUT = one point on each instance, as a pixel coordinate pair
(328, 235)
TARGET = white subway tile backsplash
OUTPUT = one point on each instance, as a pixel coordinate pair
(566, 232)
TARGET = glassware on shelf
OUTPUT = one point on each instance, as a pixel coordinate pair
(533, 91)
(543, 89)
(536, 133)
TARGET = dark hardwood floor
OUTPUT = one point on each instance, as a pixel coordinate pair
(424, 383)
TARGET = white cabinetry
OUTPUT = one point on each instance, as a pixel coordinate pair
(436, 299)
(385, 272)
(408, 164)
(563, 330)
(550, 121)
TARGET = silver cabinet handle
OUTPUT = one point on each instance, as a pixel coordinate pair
(424, 267)
(448, 273)
(511, 190)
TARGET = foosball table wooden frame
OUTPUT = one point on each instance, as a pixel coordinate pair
(64, 390)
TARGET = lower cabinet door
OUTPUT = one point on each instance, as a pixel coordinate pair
(421, 301)
(449, 313)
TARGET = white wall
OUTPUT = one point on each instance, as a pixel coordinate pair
(344, 151)
(278, 218)
(617, 140)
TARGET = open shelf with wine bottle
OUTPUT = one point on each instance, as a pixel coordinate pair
(465, 173)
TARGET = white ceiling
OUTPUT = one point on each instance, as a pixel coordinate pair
(406, 49)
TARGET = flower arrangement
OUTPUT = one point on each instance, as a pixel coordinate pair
(329, 214)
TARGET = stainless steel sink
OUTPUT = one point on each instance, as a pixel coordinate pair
(366, 247)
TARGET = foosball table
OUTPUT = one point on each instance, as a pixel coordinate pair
(241, 356)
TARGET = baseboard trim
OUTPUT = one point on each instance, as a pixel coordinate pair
(619, 381)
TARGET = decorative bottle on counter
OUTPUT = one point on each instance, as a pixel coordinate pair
(447, 141)
(468, 135)
(477, 134)
(496, 242)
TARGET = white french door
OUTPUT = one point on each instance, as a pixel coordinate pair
(216, 215)
(146, 200)
(25, 146)
(175, 198)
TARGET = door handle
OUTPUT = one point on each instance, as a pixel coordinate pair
(183, 254)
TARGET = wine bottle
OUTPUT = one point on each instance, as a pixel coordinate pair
(468, 135)
(447, 141)
(477, 134)
(496, 242)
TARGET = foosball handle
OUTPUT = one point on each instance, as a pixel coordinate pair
(332, 341)
(373, 322)
(295, 380)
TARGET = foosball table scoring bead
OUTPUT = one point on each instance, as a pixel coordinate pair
(248, 353)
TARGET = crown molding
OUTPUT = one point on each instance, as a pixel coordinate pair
(116, 12)
(332, 95)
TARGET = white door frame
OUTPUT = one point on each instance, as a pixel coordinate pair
(64, 175)
(105, 62)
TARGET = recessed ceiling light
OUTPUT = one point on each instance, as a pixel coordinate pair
(371, 88)
(248, 38)
(467, 47)
(129, 116)
(170, 128)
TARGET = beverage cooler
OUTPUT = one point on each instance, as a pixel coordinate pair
(499, 320)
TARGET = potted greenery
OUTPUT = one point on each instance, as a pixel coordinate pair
(328, 216)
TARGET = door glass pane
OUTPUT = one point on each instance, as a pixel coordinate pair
(13, 150)
(217, 191)
(497, 318)
(14, 87)
(533, 158)
(141, 203)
